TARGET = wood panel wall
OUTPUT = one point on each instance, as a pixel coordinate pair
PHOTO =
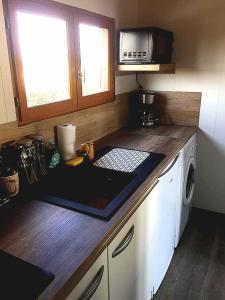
(179, 108)
(176, 108)
(92, 123)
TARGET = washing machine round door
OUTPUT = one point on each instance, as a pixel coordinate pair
(189, 182)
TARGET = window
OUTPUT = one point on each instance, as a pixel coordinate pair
(62, 58)
(95, 55)
(94, 43)
(45, 69)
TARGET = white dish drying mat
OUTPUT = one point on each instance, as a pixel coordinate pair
(123, 160)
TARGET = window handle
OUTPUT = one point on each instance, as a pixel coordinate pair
(81, 75)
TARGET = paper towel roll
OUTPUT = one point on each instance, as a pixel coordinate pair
(66, 134)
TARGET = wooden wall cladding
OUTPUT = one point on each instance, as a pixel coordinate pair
(176, 108)
(92, 123)
(179, 108)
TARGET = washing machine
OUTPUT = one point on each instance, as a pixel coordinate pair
(186, 186)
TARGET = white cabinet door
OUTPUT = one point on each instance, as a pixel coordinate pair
(164, 222)
(128, 256)
(150, 227)
(123, 255)
(159, 227)
(94, 284)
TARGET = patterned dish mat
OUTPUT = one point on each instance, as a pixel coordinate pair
(122, 160)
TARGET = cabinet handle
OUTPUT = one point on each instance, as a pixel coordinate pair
(170, 167)
(124, 243)
(93, 286)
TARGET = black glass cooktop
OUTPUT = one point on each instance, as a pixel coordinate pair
(21, 280)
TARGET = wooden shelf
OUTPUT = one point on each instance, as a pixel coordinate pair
(146, 69)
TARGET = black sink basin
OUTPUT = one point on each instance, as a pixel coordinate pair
(93, 190)
(88, 185)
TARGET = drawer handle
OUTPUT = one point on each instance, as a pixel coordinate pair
(124, 243)
(93, 286)
(171, 166)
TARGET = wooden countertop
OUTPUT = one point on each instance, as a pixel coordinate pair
(67, 243)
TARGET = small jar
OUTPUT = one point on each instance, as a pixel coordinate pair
(88, 148)
(91, 152)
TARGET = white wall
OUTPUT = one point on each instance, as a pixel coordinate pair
(7, 113)
(199, 51)
(124, 12)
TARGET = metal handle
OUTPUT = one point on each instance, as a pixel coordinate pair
(3, 201)
(93, 286)
(124, 243)
(81, 75)
(170, 167)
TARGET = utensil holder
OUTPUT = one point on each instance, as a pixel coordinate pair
(10, 184)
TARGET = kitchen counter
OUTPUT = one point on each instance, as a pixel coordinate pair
(67, 243)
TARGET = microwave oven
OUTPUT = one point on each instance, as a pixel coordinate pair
(149, 45)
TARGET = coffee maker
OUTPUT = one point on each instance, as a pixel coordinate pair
(143, 110)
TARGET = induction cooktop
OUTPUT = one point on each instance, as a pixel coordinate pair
(20, 279)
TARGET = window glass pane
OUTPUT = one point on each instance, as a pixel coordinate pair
(94, 59)
(44, 49)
